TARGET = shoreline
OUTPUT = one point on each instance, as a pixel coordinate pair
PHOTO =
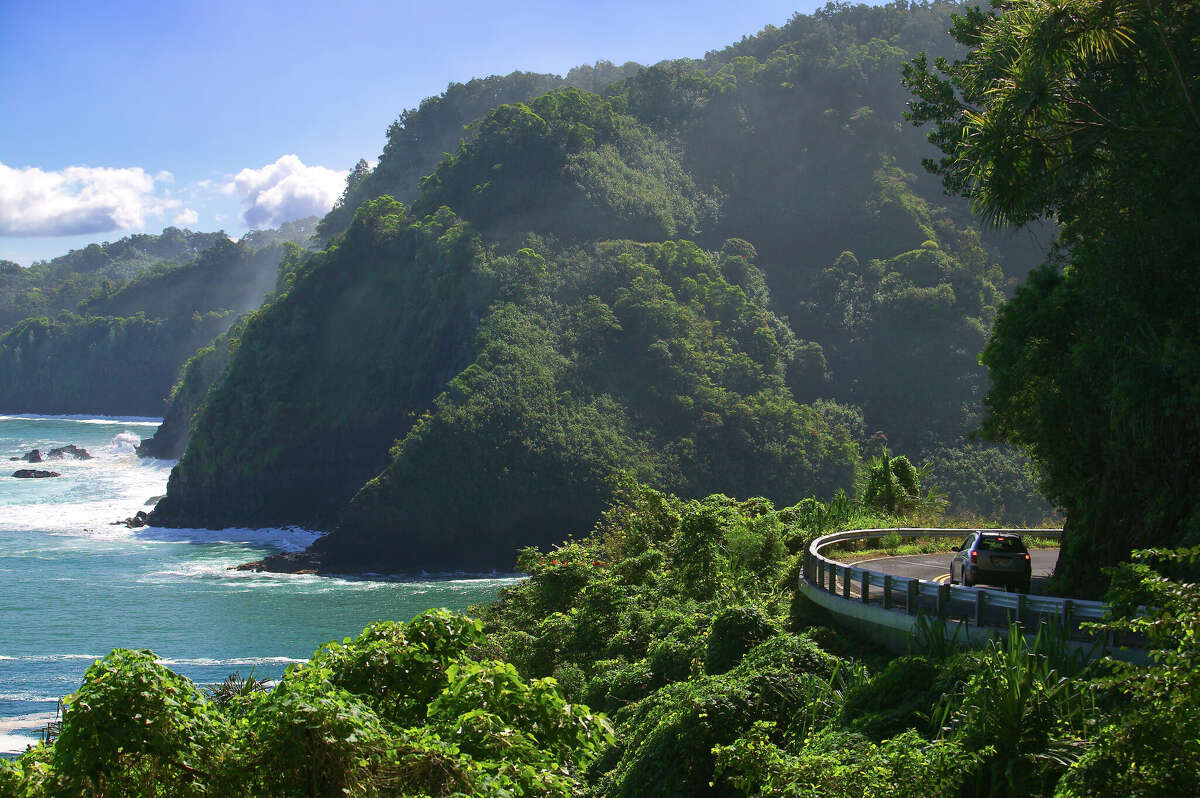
(306, 563)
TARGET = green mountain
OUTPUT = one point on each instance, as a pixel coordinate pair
(445, 383)
(62, 283)
(119, 350)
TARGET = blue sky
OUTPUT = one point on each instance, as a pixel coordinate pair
(120, 117)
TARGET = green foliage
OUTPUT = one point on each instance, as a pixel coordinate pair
(121, 351)
(311, 737)
(893, 485)
(402, 709)
(136, 728)
(400, 668)
(989, 480)
(734, 632)
(419, 138)
(1150, 747)
(1086, 111)
(327, 375)
(569, 164)
(236, 693)
(841, 764)
(426, 708)
(1024, 711)
(894, 699)
(47, 287)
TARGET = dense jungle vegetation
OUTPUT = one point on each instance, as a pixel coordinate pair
(665, 654)
(1087, 111)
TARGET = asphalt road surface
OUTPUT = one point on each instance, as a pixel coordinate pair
(936, 567)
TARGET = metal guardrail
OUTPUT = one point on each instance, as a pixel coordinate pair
(984, 607)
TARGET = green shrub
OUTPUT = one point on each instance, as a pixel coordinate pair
(671, 659)
(310, 736)
(616, 685)
(894, 700)
(735, 631)
(399, 668)
(134, 727)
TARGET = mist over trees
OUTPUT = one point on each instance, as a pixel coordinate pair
(108, 327)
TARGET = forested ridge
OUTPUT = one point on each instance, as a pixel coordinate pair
(777, 163)
(105, 329)
(484, 375)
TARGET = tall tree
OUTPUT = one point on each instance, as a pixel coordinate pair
(1086, 110)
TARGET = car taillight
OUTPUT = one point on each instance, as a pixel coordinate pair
(1026, 556)
(974, 556)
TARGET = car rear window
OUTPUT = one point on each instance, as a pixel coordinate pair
(1001, 544)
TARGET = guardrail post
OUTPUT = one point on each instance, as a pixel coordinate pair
(820, 573)
(866, 586)
(1066, 617)
(980, 598)
(887, 591)
(832, 569)
(911, 600)
(846, 581)
(1020, 608)
(943, 600)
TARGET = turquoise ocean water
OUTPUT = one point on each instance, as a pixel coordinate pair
(73, 586)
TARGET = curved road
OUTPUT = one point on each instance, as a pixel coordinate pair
(936, 567)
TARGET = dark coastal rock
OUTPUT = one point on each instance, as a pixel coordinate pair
(136, 522)
(70, 449)
(33, 473)
(36, 456)
(304, 562)
(153, 500)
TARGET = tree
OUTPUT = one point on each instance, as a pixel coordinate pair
(1087, 112)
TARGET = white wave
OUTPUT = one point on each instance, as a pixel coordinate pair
(31, 698)
(141, 421)
(239, 662)
(17, 743)
(87, 499)
(124, 443)
(285, 539)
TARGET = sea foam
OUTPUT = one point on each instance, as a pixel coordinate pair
(141, 421)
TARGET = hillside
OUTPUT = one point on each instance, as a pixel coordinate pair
(450, 328)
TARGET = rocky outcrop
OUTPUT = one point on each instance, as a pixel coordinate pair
(70, 449)
(304, 562)
(59, 453)
(137, 521)
(34, 473)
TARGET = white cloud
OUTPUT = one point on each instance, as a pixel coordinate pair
(185, 217)
(78, 200)
(286, 190)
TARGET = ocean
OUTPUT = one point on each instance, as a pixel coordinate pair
(73, 586)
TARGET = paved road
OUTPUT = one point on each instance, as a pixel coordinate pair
(936, 567)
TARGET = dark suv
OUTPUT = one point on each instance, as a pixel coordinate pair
(992, 558)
